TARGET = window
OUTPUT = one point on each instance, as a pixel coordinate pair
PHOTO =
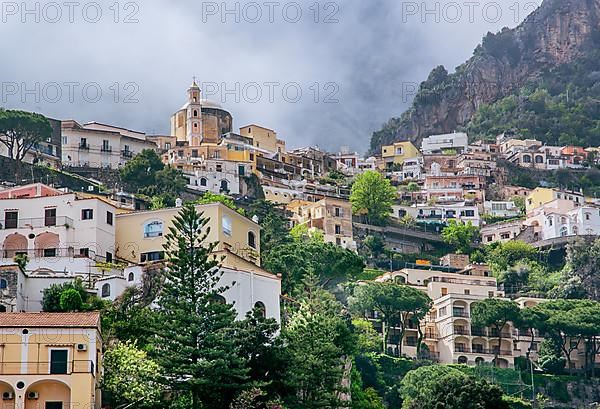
(59, 359)
(83, 142)
(338, 229)
(3, 284)
(11, 220)
(87, 214)
(260, 306)
(203, 181)
(195, 113)
(194, 153)
(109, 257)
(588, 216)
(338, 212)
(54, 405)
(106, 290)
(226, 222)
(153, 229)
(168, 145)
(109, 218)
(130, 277)
(467, 292)
(84, 252)
(444, 291)
(242, 170)
(105, 147)
(152, 256)
(252, 239)
(224, 186)
(49, 253)
(219, 167)
(50, 217)
(490, 294)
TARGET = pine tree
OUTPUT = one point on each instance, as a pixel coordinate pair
(195, 342)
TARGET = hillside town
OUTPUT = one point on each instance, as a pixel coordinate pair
(445, 221)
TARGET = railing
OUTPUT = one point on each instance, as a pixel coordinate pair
(461, 331)
(126, 154)
(458, 313)
(45, 368)
(106, 149)
(48, 253)
(32, 223)
(84, 147)
(485, 283)
(482, 351)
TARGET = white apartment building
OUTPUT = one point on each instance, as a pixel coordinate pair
(217, 176)
(53, 227)
(98, 145)
(437, 143)
(501, 208)
(562, 218)
(447, 328)
(441, 213)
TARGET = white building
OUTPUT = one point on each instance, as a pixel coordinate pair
(98, 145)
(562, 218)
(218, 176)
(501, 208)
(49, 224)
(440, 213)
(436, 143)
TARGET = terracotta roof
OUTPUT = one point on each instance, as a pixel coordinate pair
(46, 319)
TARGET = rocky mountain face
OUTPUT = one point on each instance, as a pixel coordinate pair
(559, 32)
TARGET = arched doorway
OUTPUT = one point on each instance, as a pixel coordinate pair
(14, 244)
(7, 393)
(260, 306)
(462, 360)
(55, 395)
(46, 244)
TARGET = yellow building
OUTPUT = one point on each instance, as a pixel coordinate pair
(50, 360)
(140, 236)
(541, 195)
(263, 138)
(397, 153)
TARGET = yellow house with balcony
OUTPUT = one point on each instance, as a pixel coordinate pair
(397, 153)
(50, 360)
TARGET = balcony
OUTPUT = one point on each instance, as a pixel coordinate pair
(127, 153)
(34, 223)
(48, 253)
(461, 331)
(84, 147)
(106, 149)
(460, 313)
(482, 351)
(43, 368)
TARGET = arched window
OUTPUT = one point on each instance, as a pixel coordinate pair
(153, 229)
(539, 159)
(564, 231)
(550, 221)
(130, 277)
(227, 229)
(3, 284)
(526, 159)
(219, 299)
(563, 220)
(106, 290)
(588, 216)
(195, 113)
(575, 230)
(462, 360)
(224, 186)
(260, 306)
(252, 239)
(203, 181)
(479, 361)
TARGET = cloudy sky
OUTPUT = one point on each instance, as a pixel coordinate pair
(320, 73)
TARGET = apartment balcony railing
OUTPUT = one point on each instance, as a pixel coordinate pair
(126, 154)
(478, 332)
(47, 368)
(482, 351)
(107, 149)
(84, 147)
(40, 222)
(461, 314)
(461, 331)
(485, 283)
(48, 253)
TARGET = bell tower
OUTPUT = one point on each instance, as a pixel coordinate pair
(194, 115)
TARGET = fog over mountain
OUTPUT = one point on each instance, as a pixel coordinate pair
(365, 59)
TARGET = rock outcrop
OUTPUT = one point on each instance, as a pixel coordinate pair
(558, 32)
